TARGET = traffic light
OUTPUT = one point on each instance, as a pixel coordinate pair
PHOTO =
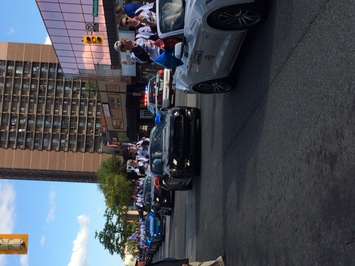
(91, 39)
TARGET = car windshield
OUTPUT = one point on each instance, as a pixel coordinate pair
(147, 189)
(156, 146)
(171, 15)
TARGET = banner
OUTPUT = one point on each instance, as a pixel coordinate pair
(13, 244)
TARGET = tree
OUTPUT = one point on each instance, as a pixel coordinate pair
(114, 184)
(117, 191)
(116, 231)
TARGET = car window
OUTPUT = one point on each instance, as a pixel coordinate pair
(171, 15)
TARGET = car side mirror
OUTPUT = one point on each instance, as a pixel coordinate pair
(178, 50)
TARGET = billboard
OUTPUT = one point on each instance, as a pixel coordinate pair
(13, 244)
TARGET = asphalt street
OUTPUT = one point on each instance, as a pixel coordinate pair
(277, 185)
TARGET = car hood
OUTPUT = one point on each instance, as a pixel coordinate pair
(194, 12)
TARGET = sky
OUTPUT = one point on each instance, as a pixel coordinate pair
(60, 218)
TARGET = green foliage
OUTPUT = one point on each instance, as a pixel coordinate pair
(117, 191)
(116, 231)
(114, 184)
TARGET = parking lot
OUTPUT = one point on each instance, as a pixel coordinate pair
(278, 159)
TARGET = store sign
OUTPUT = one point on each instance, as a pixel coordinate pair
(95, 8)
(13, 244)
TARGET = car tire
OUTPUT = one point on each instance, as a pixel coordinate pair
(235, 17)
(213, 86)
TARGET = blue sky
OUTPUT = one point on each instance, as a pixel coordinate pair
(60, 217)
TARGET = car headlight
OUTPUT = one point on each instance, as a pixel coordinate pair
(187, 163)
(175, 162)
(189, 113)
(176, 113)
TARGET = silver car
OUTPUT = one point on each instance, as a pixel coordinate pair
(211, 33)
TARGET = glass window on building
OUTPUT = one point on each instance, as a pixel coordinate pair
(10, 68)
(27, 70)
(50, 90)
(60, 74)
(2, 84)
(25, 86)
(56, 123)
(72, 142)
(2, 68)
(81, 143)
(57, 106)
(31, 120)
(35, 70)
(5, 121)
(65, 123)
(31, 106)
(23, 105)
(19, 69)
(29, 140)
(38, 141)
(89, 145)
(55, 141)
(2, 138)
(59, 89)
(44, 70)
(22, 122)
(21, 138)
(14, 104)
(67, 88)
(17, 86)
(39, 122)
(98, 143)
(73, 126)
(112, 102)
(12, 139)
(63, 142)
(40, 108)
(13, 120)
(47, 122)
(8, 85)
(49, 105)
(52, 71)
(46, 141)
(74, 109)
(42, 87)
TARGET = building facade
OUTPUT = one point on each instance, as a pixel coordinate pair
(50, 126)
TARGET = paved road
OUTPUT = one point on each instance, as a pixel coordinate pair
(278, 153)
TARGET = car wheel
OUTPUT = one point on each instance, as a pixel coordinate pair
(213, 86)
(236, 17)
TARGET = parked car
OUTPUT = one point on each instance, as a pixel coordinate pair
(147, 193)
(154, 230)
(162, 200)
(211, 33)
(181, 148)
(159, 91)
(155, 197)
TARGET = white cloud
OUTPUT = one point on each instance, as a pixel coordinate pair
(43, 241)
(47, 40)
(7, 212)
(24, 260)
(52, 206)
(80, 244)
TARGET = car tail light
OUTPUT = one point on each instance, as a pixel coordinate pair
(157, 182)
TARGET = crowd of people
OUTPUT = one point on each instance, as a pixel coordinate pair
(147, 48)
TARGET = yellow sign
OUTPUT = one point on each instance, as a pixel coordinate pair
(13, 244)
